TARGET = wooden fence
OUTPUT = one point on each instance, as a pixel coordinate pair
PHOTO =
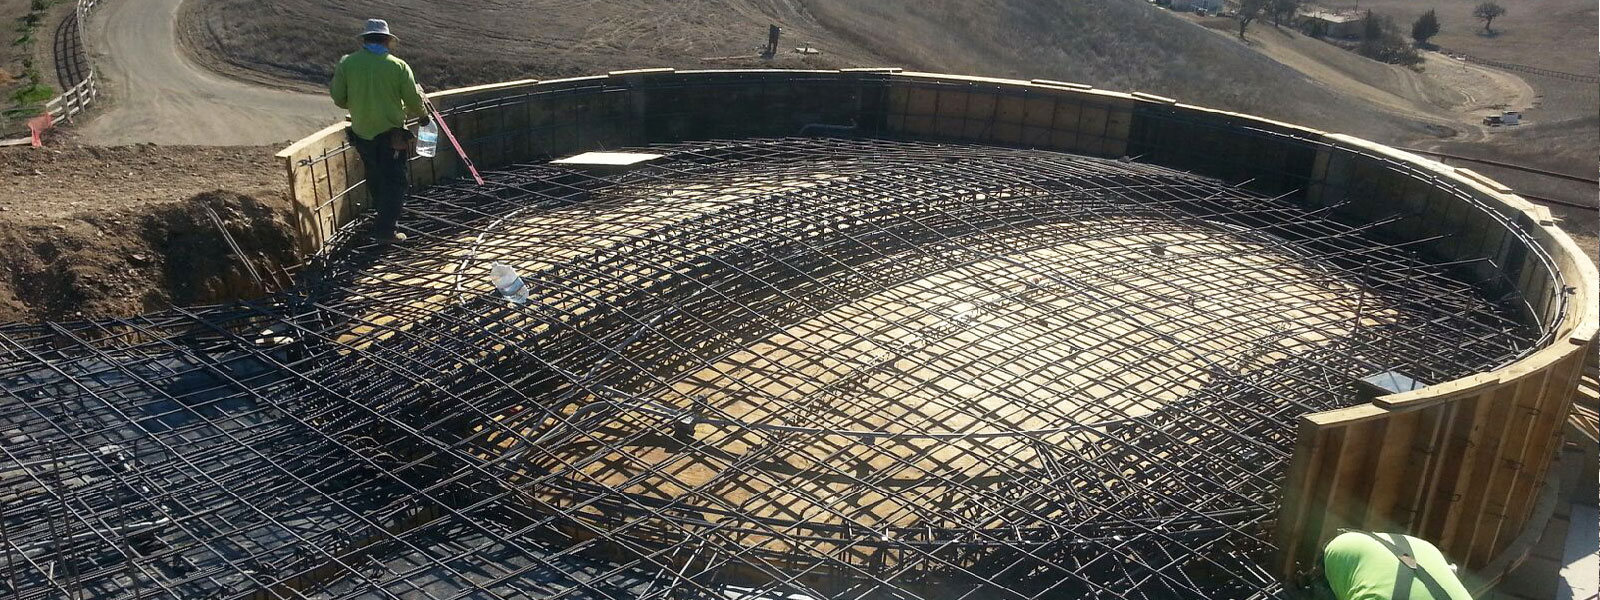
(77, 98)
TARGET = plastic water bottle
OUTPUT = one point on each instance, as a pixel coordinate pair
(428, 139)
(509, 284)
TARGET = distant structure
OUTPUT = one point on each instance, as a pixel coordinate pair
(1332, 23)
(773, 31)
(1211, 6)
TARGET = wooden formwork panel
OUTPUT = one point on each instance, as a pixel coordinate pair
(1460, 473)
(1468, 501)
(979, 116)
(950, 112)
(486, 128)
(318, 172)
(1515, 445)
(1398, 458)
(1552, 405)
(1038, 120)
(1010, 114)
(562, 135)
(1068, 125)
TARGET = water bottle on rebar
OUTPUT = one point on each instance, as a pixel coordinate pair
(428, 139)
(508, 283)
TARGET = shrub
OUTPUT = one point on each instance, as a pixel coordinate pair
(1382, 42)
(35, 93)
(1426, 26)
(1487, 12)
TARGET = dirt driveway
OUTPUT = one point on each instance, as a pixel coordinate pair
(157, 94)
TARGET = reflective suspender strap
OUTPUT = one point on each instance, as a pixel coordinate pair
(1409, 569)
(1404, 571)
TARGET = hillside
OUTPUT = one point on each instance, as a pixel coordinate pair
(1546, 34)
(1116, 44)
(1550, 34)
(452, 44)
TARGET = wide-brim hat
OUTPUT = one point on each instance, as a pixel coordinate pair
(378, 27)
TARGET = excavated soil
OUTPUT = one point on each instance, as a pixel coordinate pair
(88, 232)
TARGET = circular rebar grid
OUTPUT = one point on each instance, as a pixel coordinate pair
(817, 368)
(851, 365)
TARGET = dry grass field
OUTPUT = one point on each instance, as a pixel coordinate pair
(1550, 34)
(1116, 44)
(451, 44)
(11, 56)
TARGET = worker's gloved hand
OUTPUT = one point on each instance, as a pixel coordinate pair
(424, 120)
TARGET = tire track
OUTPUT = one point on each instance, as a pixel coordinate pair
(71, 63)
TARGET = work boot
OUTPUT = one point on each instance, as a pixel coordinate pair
(392, 238)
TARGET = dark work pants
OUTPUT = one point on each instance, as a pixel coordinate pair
(388, 177)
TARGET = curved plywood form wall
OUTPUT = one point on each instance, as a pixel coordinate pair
(1459, 462)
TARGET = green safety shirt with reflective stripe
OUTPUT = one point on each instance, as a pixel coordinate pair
(1365, 566)
(378, 90)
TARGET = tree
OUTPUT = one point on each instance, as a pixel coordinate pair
(1284, 9)
(1426, 26)
(1248, 11)
(1371, 26)
(1382, 41)
(1487, 12)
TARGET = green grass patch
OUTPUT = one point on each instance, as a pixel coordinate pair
(35, 93)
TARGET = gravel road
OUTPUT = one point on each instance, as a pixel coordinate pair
(157, 94)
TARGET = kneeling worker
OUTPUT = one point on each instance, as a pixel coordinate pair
(1389, 566)
(381, 93)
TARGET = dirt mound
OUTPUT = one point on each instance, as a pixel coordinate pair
(58, 182)
(219, 245)
(144, 259)
(101, 232)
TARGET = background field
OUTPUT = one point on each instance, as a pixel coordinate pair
(1550, 34)
(1116, 44)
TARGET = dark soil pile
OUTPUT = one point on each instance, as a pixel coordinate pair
(143, 259)
(107, 232)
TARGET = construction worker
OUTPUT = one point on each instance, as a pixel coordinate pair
(1362, 565)
(381, 94)
(772, 41)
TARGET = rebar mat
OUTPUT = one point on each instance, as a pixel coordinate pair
(797, 368)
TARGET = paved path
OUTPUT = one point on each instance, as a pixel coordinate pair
(1580, 571)
(158, 95)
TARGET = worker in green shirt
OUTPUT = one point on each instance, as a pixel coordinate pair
(381, 94)
(1388, 566)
